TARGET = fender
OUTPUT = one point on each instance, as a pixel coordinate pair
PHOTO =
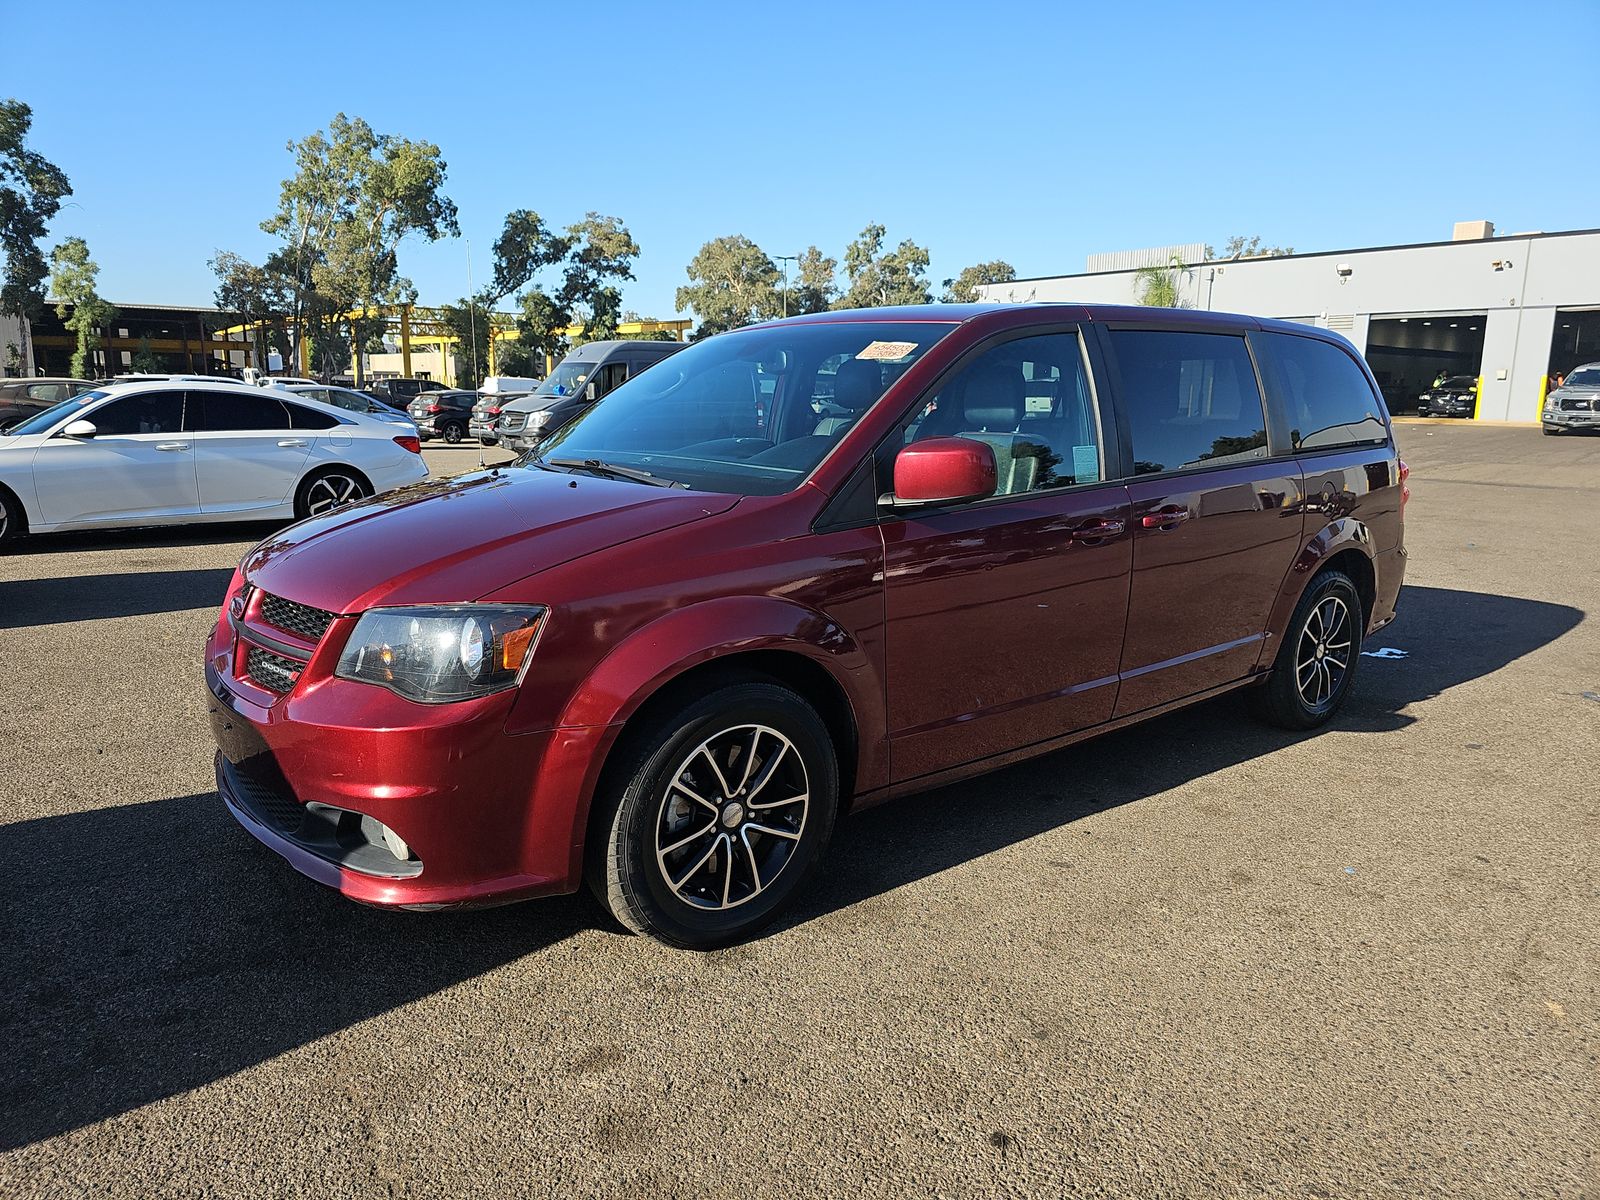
(651, 657)
(1339, 534)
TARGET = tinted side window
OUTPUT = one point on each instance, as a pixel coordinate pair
(1191, 399)
(611, 376)
(1327, 400)
(238, 410)
(48, 392)
(301, 417)
(152, 412)
(1028, 400)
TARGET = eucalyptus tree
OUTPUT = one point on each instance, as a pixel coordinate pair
(73, 275)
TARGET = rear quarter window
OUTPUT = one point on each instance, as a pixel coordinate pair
(1327, 402)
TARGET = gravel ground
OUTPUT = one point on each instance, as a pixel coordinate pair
(1197, 958)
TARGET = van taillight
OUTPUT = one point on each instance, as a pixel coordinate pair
(1405, 488)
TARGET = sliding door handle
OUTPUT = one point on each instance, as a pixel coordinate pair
(1166, 517)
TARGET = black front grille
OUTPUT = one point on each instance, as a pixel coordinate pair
(271, 671)
(511, 422)
(310, 623)
(1575, 405)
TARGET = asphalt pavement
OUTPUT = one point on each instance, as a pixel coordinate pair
(1195, 958)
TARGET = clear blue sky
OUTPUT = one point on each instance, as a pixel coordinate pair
(1035, 133)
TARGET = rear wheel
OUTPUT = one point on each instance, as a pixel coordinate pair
(452, 433)
(716, 816)
(328, 489)
(1316, 664)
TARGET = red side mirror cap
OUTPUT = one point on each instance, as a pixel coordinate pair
(943, 469)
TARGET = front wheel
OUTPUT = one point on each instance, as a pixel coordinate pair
(715, 816)
(1316, 663)
(1551, 431)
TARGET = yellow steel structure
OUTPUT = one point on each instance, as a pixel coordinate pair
(426, 326)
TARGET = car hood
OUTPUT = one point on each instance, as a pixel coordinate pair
(537, 403)
(457, 541)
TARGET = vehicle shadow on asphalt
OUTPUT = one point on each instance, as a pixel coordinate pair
(154, 948)
(33, 602)
(154, 538)
(1449, 638)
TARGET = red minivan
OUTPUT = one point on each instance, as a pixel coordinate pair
(796, 569)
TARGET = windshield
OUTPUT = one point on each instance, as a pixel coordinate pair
(567, 380)
(40, 422)
(1585, 378)
(751, 412)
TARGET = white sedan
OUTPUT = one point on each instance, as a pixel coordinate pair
(169, 453)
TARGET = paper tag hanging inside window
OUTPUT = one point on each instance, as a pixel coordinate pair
(887, 351)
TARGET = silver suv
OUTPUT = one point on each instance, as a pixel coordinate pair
(1576, 403)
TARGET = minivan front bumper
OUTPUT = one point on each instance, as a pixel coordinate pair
(477, 815)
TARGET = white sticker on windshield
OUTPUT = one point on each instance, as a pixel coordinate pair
(887, 351)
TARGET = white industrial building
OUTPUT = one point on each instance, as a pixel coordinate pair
(1512, 310)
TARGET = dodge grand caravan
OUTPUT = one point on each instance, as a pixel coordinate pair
(796, 569)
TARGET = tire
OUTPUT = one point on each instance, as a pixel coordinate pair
(452, 434)
(329, 488)
(13, 521)
(1305, 688)
(1551, 431)
(674, 853)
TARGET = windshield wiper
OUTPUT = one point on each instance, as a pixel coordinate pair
(616, 471)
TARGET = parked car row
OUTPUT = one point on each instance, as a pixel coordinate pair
(585, 375)
(803, 566)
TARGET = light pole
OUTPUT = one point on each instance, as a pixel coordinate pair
(786, 259)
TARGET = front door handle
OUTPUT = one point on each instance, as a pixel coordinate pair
(1097, 530)
(291, 442)
(1165, 517)
(172, 445)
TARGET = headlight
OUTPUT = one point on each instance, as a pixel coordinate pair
(538, 420)
(437, 655)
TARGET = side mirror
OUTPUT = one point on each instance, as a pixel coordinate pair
(80, 429)
(588, 393)
(943, 470)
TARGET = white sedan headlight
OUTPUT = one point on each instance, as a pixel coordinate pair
(439, 655)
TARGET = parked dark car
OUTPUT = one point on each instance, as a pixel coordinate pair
(1572, 406)
(486, 412)
(443, 415)
(24, 398)
(1457, 396)
(398, 393)
(664, 653)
